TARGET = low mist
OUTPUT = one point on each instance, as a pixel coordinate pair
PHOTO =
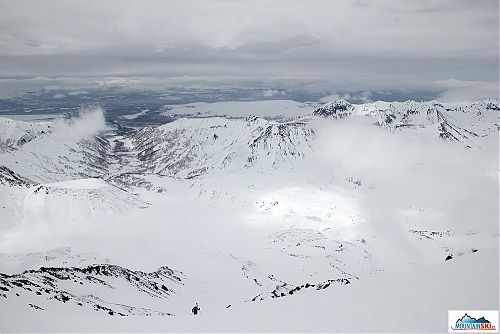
(411, 177)
(88, 122)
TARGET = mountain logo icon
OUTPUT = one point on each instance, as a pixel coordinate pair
(470, 323)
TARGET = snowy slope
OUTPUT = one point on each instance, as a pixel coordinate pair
(51, 158)
(14, 263)
(32, 204)
(69, 288)
(190, 147)
(14, 134)
(349, 308)
(52, 177)
(321, 223)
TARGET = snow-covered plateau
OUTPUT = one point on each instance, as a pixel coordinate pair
(271, 215)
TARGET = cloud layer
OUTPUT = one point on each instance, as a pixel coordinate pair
(356, 44)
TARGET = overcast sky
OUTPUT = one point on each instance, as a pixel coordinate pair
(451, 46)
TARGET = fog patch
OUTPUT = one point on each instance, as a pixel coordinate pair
(88, 122)
(410, 179)
(462, 91)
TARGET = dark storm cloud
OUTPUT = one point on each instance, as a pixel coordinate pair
(364, 45)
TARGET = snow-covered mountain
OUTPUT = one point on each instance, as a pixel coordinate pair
(51, 158)
(14, 134)
(335, 109)
(190, 147)
(253, 214)
(466, 123)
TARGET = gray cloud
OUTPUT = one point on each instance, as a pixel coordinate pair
(359, 44)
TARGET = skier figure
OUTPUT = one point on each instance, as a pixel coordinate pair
(195, 309)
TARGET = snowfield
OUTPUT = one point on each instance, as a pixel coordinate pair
(416, 300)
(378, 217)
(281, 109)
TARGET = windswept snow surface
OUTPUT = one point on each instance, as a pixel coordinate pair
(327, 222)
